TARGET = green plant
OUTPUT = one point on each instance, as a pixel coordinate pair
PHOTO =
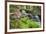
(24, 23)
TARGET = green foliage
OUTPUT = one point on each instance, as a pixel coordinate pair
(24, 23)
(34, 9)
